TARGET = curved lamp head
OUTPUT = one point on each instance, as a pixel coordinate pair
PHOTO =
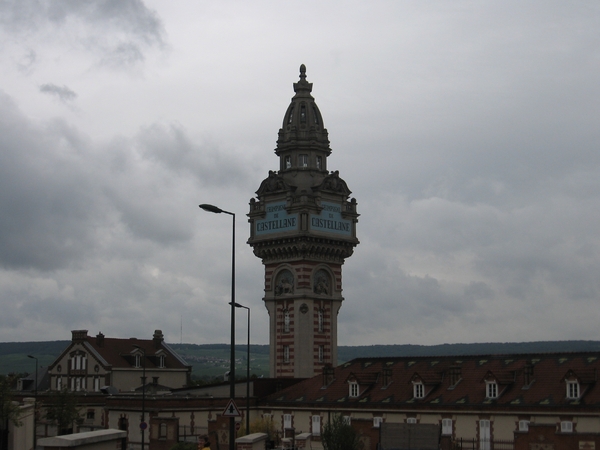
(211, 208)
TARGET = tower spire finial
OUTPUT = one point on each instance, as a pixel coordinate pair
(302, 72)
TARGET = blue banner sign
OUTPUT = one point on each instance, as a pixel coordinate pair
(276, 220)
(330, 220)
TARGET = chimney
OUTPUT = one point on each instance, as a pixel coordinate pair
(79, 335)
(158, 338)
(100, 340)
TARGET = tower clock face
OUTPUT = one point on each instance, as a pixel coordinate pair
(277, 220)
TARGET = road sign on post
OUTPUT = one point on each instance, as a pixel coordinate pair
(231, 410)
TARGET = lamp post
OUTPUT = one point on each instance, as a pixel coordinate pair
(237, 305)
(143, 423)
(35, 387)
(216, 210)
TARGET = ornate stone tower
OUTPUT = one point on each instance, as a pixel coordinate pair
(303, 227)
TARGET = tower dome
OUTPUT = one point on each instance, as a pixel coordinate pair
(303, 141)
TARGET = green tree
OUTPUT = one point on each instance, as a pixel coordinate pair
(62, 410)
(9, 411)
(339, 435)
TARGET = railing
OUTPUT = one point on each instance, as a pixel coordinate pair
(477, 444)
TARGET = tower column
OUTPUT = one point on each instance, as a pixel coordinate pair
(303, 227)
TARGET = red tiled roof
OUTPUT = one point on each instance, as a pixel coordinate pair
(119, 352)
(546, 387)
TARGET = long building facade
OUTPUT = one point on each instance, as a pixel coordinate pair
(303, 227)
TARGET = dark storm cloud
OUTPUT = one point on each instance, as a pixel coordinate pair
(60, 196)
(63, 93)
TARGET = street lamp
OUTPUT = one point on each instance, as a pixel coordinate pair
(143, 424)
(237, 305)
(35, 386)
(216, 210)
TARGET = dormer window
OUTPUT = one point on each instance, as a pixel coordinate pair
(161, 361)
(491, 389)
(354, 390)
(418, 390)
(573, 389)
(302, 161)
(138, 360)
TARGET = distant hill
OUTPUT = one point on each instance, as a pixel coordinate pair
(212, 360)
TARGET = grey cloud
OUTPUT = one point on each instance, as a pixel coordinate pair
(118, 31)
(171, 146)
(44, 194)
(63, 93)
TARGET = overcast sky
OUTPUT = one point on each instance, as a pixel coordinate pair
(468, 132)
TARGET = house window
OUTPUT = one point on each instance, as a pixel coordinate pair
(411, 420)
(286, 353)
(523, 425)
(377, 422)
(485, 435)
(90, 414)
(287, 421)
(321, 353)
(303, 160)
(447, 427)
(58, 383)
(162, 431)
(347, 420)
(96, 384)
(302, 113)
(353, 389)
(492, 390)
(418, 390)
(286, 321)
(316, 425)
(572, 389)
(288, 162)
(566, 426)
(319, 162)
